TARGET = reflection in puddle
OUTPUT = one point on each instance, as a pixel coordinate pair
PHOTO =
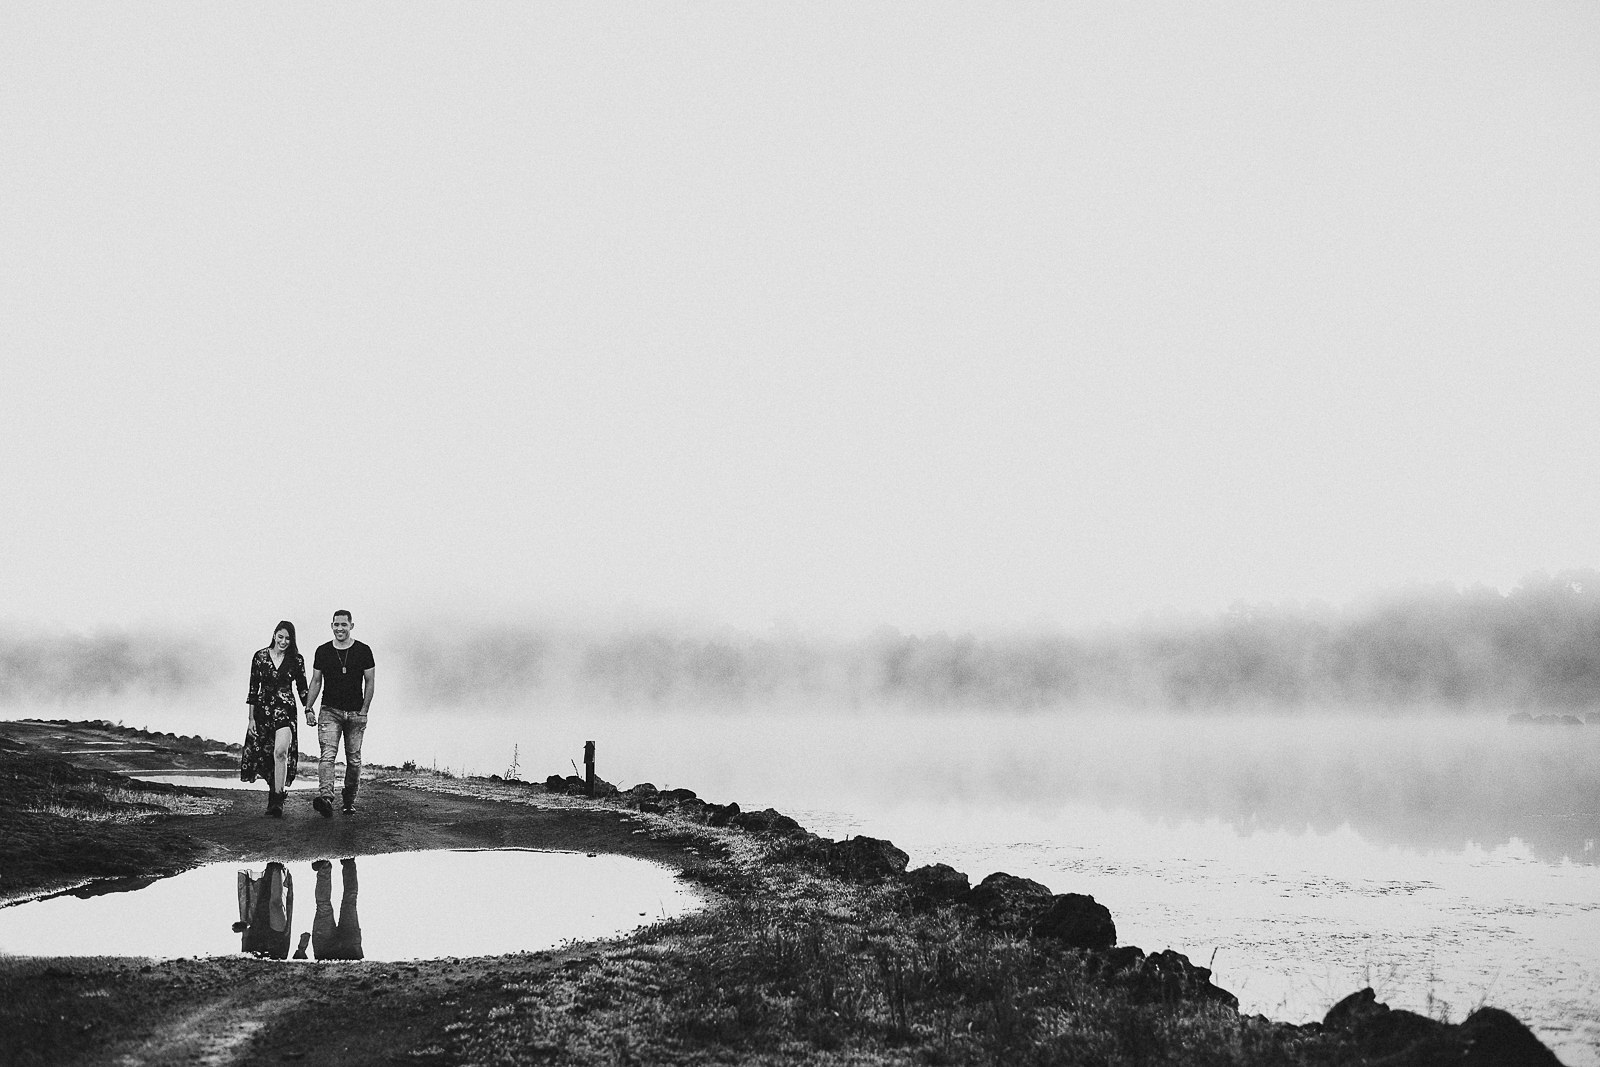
(412, 905)
(226, 780)
(266, 908)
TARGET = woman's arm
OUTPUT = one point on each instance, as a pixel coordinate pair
(251, 696)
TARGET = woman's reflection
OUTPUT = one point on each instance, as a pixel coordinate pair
(266, 909)
(336, 940)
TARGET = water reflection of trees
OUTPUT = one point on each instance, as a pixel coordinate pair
(1419, 785)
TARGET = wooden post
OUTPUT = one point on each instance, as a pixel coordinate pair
(588, 767)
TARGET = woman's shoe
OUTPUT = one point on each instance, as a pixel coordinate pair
(275, 805)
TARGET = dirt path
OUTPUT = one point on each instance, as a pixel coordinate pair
(240, 1010)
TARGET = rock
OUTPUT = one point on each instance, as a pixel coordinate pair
(574, 786)
(1352, 1009)
(1488, 1038)
(766, 821)
(938, 883)
(1077, 921)
(1168, 977)
(677, 794)
(694, 809)
(864, 858)
(1005, 902)
(722, 814)
(636, 797)
(1380, 1031)
(1122, 960)
(1496, 1037)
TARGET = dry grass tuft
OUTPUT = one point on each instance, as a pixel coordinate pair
(119, 804)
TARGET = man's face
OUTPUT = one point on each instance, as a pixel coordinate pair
(341, 628)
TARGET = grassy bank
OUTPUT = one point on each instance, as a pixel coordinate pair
(807, 960)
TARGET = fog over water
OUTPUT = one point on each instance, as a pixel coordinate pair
(1390, 717)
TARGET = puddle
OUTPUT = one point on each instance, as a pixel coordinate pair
(399, 906)
(229, 780)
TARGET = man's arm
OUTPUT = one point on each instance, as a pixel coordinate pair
(316, 688)
(366, 689)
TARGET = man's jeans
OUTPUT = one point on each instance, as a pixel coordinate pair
(336, 940)
(353, 725)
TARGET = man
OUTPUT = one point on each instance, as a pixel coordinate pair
(349, 669)
(339, 940)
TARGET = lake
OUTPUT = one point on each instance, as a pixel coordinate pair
(1447, 862)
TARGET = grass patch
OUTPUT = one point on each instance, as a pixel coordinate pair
(110, 802)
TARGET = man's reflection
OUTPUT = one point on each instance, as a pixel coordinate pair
(332, 940)
(266, 909)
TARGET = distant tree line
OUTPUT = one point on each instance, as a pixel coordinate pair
(1441, 647)
(1538, 646)
(72, 667)
(1535, 647)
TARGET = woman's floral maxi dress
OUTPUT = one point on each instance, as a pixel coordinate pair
(272, 692)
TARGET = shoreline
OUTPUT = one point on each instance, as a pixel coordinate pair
(808, 950)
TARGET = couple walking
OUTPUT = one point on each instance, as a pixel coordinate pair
(342, 673)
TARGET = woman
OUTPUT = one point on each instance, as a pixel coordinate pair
(271, 743)
(266, 912)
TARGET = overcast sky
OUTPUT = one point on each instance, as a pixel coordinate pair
(933, 315)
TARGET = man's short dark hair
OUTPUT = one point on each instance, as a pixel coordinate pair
(345, 613)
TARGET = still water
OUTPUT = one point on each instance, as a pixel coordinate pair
(230, 780)
(398, 906)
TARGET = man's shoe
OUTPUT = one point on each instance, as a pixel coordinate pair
(324, 807)
(349, 801)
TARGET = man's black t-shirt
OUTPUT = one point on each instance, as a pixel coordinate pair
(343, 672)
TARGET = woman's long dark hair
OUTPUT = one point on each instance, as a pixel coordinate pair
(290, 653)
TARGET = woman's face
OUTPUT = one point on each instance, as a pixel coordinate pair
(280, 640)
